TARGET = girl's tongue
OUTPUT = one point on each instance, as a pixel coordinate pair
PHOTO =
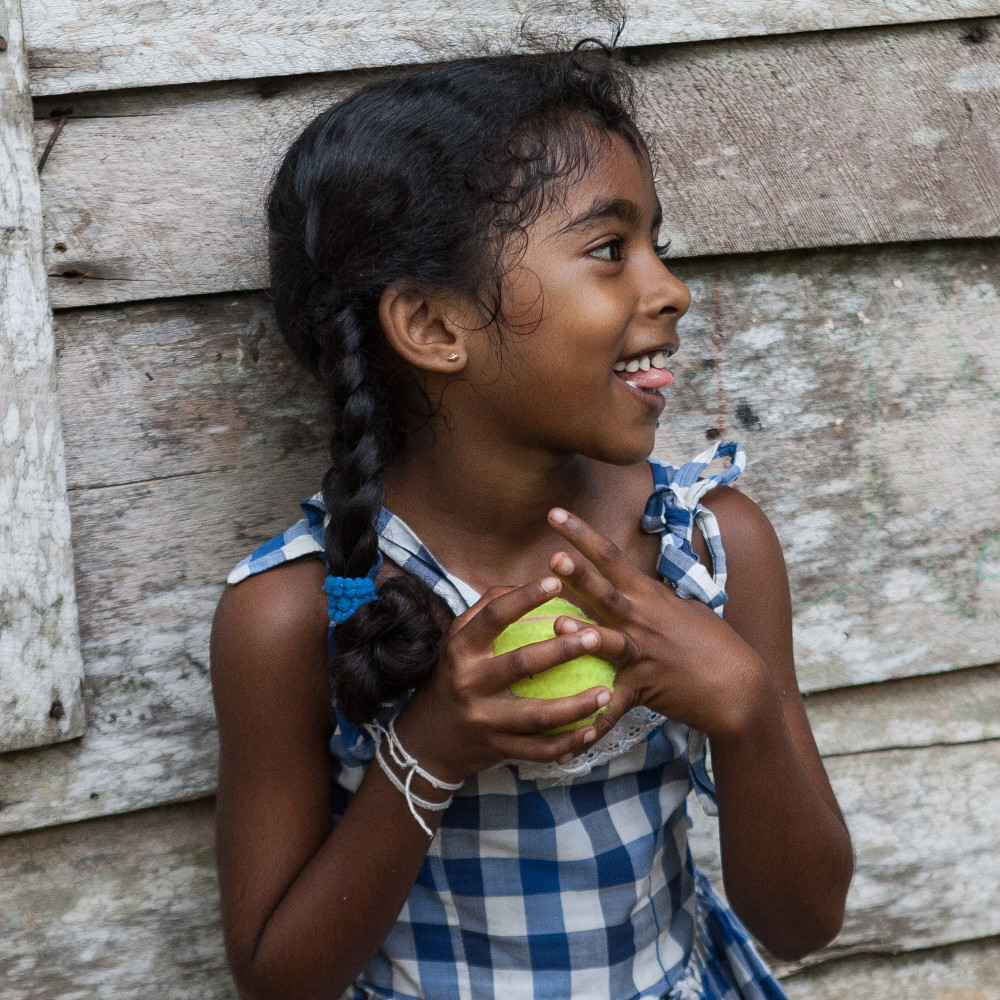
(654, 378)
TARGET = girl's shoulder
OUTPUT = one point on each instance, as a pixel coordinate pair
(269, 642)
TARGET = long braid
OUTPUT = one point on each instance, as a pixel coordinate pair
(386, 646)
(352, 489)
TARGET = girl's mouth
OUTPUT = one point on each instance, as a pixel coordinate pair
(646, 374)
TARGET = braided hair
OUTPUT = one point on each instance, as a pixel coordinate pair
(426, 178)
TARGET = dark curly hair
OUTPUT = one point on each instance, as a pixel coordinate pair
(427, 178)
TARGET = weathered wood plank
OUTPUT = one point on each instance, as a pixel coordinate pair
(40, 665)
(956, 707)
(83, 45)
(70, 895)
(126, 907)
(178, 387)
(865, 386)
(845, 420)
(926, 831)
(147, 591)
(853, 137)
(966, 971)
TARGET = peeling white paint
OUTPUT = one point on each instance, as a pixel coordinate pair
(928, 136)
(972, 79)
(40, 662)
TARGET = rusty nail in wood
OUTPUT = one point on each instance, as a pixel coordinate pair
(3, 44)
(52, 141)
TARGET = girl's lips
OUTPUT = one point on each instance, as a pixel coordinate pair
(650, 396)
(653, 378)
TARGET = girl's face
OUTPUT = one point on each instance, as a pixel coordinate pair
(589, 292)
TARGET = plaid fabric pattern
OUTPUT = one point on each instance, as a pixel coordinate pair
(580, 889)
(675, 507)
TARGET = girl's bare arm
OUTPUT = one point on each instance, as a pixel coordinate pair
(306, 903)
(787, 858)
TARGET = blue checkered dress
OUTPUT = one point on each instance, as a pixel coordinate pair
(580, 887)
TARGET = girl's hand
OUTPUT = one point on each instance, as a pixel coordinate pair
(464, 718)
(679, 659)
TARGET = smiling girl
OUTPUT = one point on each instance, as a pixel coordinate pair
(467, 258)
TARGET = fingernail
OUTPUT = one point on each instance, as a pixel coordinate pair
(589, 736)
(558, 515)
(550, 585)
(590, 639)
(603, 698)
(565, 758)
(571, 626)
(564, 565)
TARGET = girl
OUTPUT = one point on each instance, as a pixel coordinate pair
(466, 257)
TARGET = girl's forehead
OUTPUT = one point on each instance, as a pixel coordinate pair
(616, 176)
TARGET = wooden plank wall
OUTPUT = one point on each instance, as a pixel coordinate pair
(41, 672)
(832, 196)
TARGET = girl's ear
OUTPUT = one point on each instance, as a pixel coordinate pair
(425, 330)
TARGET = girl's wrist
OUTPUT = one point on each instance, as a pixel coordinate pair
(753, 707)
(417, 733)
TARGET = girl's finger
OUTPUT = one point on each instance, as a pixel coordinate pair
(594, 587)
(536, 657)
(496, 613)
(549, 749)
(618, 648)
(601, 551)
(541, 715)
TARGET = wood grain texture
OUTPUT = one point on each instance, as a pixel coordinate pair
(866, 388)
(124, 908)
(148, 591)
(966, 971)
(70, 896)
(926, 832)
(40, 667)
(853, 137)
(85, 45)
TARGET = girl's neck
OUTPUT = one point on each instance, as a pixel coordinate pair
(467, 495)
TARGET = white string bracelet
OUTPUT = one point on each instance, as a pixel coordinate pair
(407, 763)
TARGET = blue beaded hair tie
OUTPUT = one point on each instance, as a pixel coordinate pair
(345, 594)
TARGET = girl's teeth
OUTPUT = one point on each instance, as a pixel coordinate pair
(659, 360)
(629, 382)
(644, 362)
(632, 366)
(619, 366)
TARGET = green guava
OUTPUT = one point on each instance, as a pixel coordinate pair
(563, 679)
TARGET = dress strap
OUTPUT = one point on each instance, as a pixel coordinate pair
(673, 509)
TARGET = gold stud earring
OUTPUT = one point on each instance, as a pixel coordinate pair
(452, 357)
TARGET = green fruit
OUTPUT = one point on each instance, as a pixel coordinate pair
(564, 679)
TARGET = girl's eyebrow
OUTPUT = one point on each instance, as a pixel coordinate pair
(625, 211)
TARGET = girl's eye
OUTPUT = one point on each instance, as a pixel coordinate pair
(614, 255)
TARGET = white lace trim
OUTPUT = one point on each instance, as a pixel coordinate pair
(631, 729)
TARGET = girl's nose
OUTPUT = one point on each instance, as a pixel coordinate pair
(666, 294)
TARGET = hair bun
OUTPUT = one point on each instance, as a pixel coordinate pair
(385, 648)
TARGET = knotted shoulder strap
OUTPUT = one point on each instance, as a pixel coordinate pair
(673, 509)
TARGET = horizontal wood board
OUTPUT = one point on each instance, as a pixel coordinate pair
(817, 139)
(125, 908)
(924, 826)
(69, 896)
(41, 697)
(966, 971)
(86, 45)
